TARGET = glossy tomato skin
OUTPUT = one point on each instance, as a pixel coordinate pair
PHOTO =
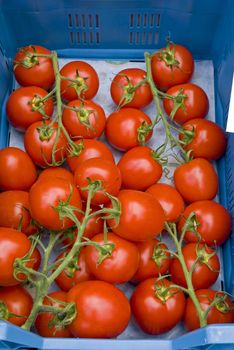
(113, 268)
(214, 222)
(17, 301)
(139, 169)
(45, 195)
(141, 217)
(209, 139)
(103, 311)
(17, 171)
(122, 128)
(170, 200)
(206, 271)
(166, 76)
(91, 113)
(85, 71)
(22, 106)
(57, 172)
(141, 97)
(44, 318)
(153, 315)
(41, 74)
(196, 180)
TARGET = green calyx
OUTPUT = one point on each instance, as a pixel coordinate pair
(203, 256)
(78, 84)
(45, 132)
(63, 315)
(4, 312)
(159, 255)
(168, 56)
(162, 292)
(74, 150)
(142, 132)
(104, 252)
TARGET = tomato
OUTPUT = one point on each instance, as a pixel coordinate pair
(171, 66)
(209, 139)
(222, 312)
(109, 264)
(103, 311)
(17, 171)
(213, 223)
(123, 88)
(15, 300)
(35, 259)
(141, 217)
(156, 308)
(98, 169)
(34, 71)
(139, 168)
(196, 180)
(57, 172)
(39, 141)
(89, 148)
(125, 127)
(194, 103)
(88, 121)
(42, 323)
(154, 260)
(170, 200)
(48, 194)
(86, 81)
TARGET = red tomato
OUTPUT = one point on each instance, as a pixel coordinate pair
(103, 311)
(213, 222)
(141, 217)
(98, 169)
(57, 172)
(109, 264)
(123, 88)
(125, 127)
(34, 71)
(155, 308)
(89, 149)
(171, 66)
(209, 139)
(222, 312)
(154, 260)
(88, 122)
(196, 180)
(48, 194)
(15, 300)
(43, 320)
(39, 140)
(86, 81)
(35, 259)
(169, 199)
(17, 171)
(139, 168)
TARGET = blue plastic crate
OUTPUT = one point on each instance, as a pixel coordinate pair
(125, 29)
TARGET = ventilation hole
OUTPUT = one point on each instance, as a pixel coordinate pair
(138, 20)
(131, 38)
(150, 38)
(91, 38)
(222, 285)
(84, 38)
(156, 37)
(78, 37)
(77, 20)
(137, 38)
(131, 20)
(83, 20)
(143, 41)
(151, 20)
(71, 37)
(158, 20)
(97, 21)
(97, 38)
(70, 20)
(145, 20)
(90, 21)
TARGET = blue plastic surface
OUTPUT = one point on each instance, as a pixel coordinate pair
(125, 29)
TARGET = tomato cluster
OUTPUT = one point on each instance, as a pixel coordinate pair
(110, 219)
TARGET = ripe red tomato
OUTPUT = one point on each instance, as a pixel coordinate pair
(89, 148)
(15, 300)
(89, 122)
(25, 106)
(222, 312)
(157, 310)
(154, 260)
(123, 126)
(35, 259)
(169, 199)
(17, 171)
(86, 81)
(141, 217)
(139, 168)
(209, 139)
(206, 270)
(195, 104)
(39, 140)
(119, 254)
(103, 311)
(122, 88)
(213, 223)
(34, 71)
(48, 194)
(196, 180)
(171, 66)
(43, 320)
(57, 172)
(98, 169)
